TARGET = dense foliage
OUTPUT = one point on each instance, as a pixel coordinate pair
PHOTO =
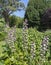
(2, 33)
(7, 7)
(20, 45)
(14, 20)
(20, 57)
(35, 10)
(45, 22)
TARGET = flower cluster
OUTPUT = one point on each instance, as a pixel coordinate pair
(25, 35)
(10, 39)
(44, 47)
(33, 50)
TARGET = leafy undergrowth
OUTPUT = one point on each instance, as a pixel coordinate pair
(21, 57)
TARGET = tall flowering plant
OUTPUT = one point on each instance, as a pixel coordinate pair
(10, 39)
(32, 51)
(25, 35)
(44, 48)
(25, 40)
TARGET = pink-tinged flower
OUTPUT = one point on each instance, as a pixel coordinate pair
(11, 39)
(33, 50)
(44, 47)
(25, 35)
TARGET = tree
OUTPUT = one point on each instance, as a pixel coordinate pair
(7, 7)
(13, 20)
(35, 10)
(46, 20)
(16, 21)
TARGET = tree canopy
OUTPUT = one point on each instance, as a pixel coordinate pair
(46, 20)
(7, 7)
(35, 10)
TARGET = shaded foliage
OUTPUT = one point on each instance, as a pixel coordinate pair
(14, 20)
(46, 20)
(35, 11)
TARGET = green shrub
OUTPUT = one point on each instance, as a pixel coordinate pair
(21, 57)
(2, 36)
(14, 20)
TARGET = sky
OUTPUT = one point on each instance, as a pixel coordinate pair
(22, 12)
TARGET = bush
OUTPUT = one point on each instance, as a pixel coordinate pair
(21, 57)
(2, 36)
(14, 20)
(2, 33)
(19, 22)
